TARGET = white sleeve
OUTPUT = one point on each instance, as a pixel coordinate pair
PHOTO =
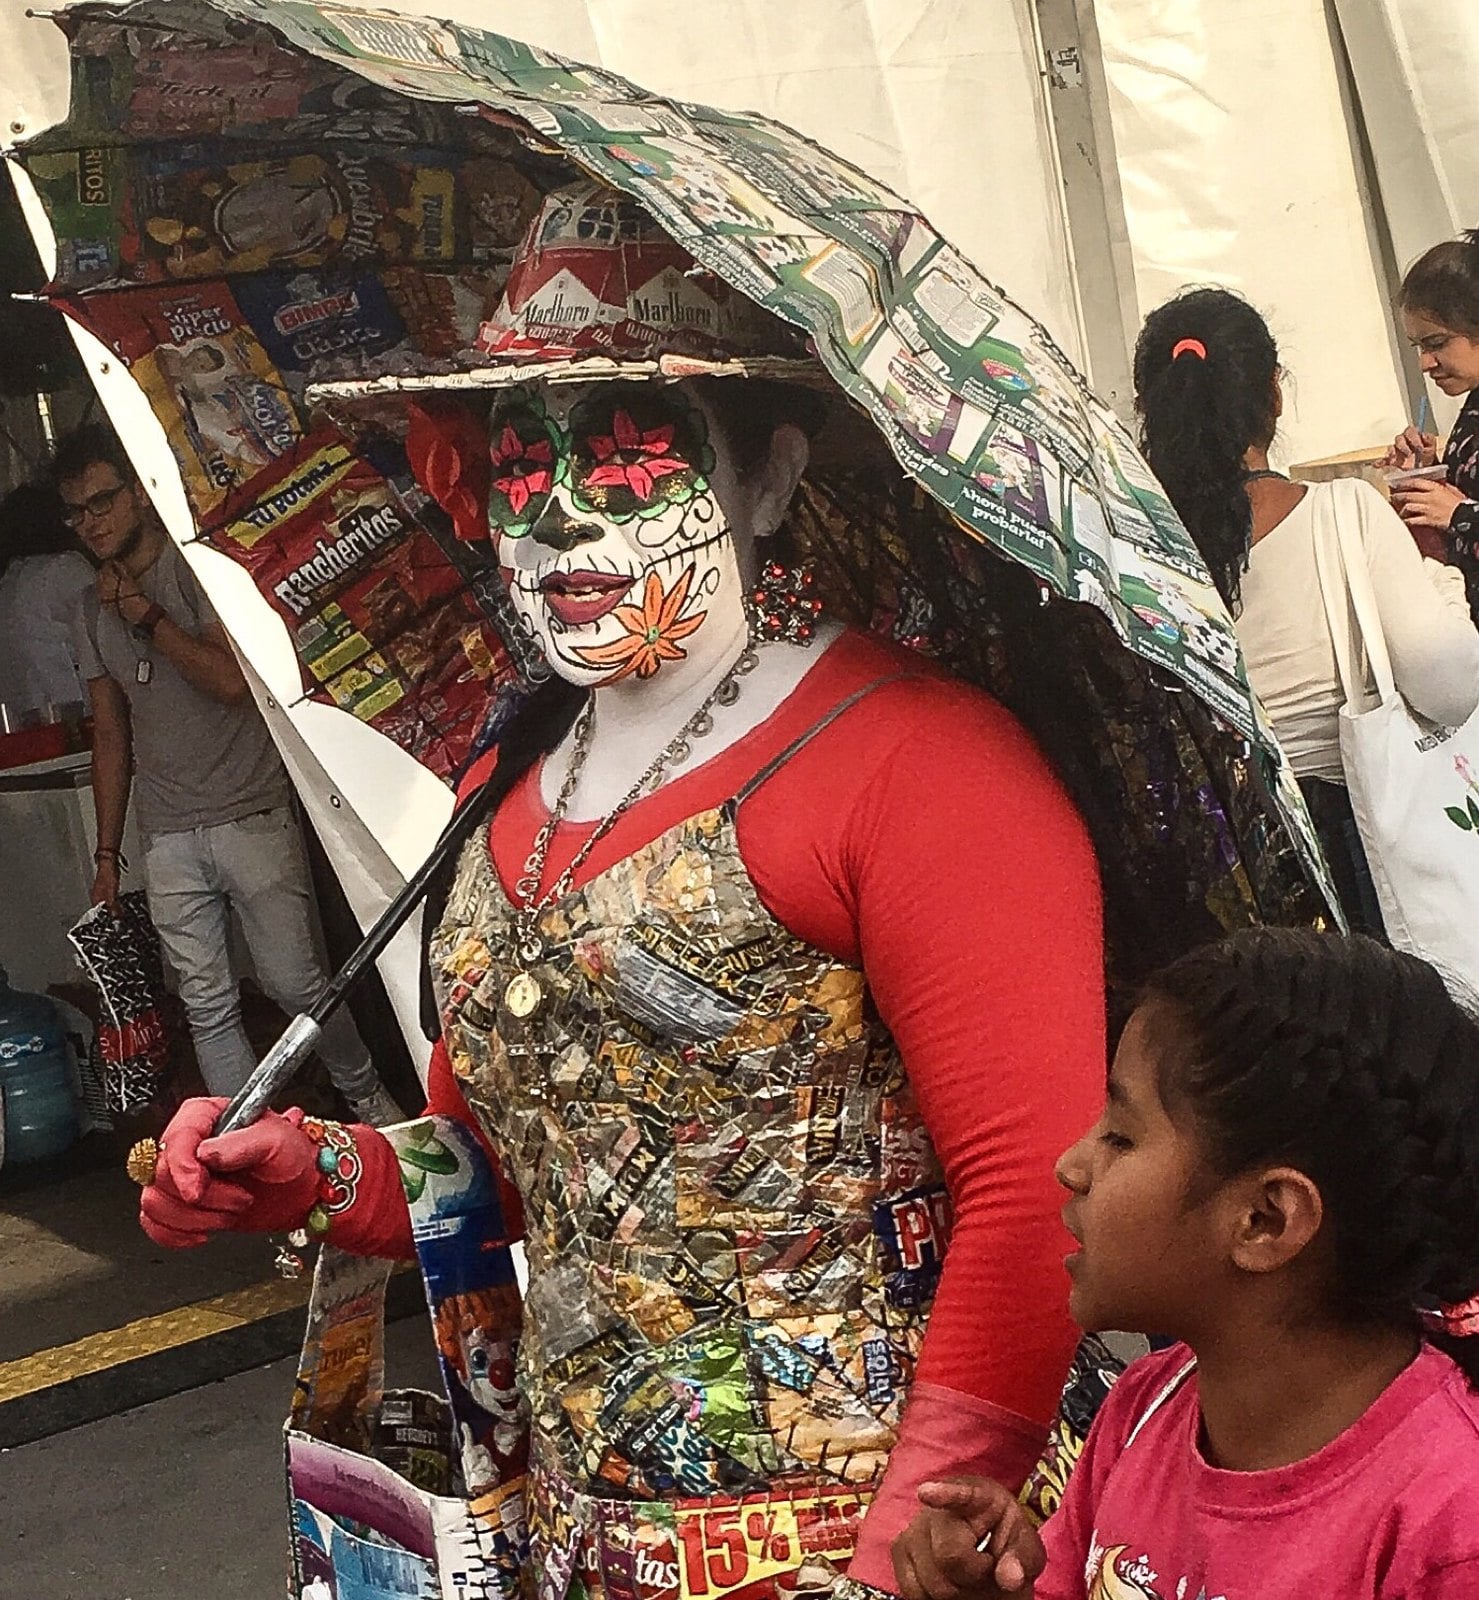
(1448, 583)
(68, 577)
(1431, 638)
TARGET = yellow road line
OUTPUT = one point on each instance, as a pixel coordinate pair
(148, 1336)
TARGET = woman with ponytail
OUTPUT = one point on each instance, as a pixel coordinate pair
(1439, 306)
(1208, 390)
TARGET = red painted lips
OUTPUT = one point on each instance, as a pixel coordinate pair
(582, 597)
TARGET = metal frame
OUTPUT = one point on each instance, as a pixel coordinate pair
(1076, 96)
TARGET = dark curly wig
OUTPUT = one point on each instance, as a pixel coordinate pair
(1353, 1063)
(1200, 414)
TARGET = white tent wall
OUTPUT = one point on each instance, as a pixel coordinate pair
(1416, 65)
(1239, 167)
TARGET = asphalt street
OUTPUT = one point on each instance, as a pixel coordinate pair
(179, 1500)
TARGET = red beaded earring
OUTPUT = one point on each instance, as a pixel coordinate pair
(784, 604)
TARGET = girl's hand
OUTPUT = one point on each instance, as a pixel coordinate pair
(105, 884)
(1427, 503)
(1412, 449)
(939, 1556)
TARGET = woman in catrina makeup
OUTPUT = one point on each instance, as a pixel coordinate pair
(772, 965)
(711, 981)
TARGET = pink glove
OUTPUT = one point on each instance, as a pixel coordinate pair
(260, 1179)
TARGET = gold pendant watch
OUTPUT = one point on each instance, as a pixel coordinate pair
(523, 996)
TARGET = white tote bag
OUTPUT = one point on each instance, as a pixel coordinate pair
(1414, 786)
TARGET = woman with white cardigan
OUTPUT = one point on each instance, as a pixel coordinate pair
(1208, 392)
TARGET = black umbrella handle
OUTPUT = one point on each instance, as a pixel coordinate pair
(534, 731)
(280, 1065)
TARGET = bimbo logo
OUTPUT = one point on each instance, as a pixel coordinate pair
(306, 313)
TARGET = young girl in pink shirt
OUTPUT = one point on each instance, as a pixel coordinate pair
(1285, 1179)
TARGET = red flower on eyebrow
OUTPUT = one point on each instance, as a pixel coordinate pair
(530, 464)
(632, 459)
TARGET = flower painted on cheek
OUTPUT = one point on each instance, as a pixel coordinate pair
(632, 459)
(651, 632)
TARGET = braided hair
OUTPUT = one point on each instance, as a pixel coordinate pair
(1443, 284)
(1353, 1063)
(1205, 365)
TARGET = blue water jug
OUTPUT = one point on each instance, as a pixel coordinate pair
(35, 1077)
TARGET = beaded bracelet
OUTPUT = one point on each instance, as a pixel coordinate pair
(339, 1169)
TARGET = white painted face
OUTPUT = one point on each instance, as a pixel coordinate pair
(614, 546)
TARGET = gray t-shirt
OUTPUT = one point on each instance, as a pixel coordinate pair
(197, 762)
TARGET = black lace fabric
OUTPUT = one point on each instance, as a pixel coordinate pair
(1462, 460)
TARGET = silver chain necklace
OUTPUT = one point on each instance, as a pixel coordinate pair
(525, 994)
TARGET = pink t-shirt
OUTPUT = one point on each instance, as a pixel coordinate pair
(1387, 1511)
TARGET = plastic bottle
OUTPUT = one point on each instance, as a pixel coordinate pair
(40, 1117)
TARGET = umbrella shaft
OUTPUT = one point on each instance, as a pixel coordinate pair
(282, 1061)
(276, 1069)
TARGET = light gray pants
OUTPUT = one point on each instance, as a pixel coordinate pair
(255, 866)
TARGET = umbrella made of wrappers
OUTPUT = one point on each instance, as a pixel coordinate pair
(272, 209)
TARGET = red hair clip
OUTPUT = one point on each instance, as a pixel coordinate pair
(1189, 347)
(1457, 1321)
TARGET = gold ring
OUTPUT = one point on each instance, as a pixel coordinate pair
(142, 1161)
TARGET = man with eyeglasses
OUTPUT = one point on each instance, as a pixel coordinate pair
(174, 723)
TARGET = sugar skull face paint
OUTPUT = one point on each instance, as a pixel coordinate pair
(615, 549)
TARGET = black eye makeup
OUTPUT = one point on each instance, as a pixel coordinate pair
(527, 453)
(636, 451)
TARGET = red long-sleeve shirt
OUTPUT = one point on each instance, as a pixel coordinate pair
(922, 837)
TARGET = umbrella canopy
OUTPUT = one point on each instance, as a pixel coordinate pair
(284, 216)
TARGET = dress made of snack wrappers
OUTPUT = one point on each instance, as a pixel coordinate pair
(734, 1217)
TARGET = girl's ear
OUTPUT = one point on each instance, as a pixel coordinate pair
(1275, 1215)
